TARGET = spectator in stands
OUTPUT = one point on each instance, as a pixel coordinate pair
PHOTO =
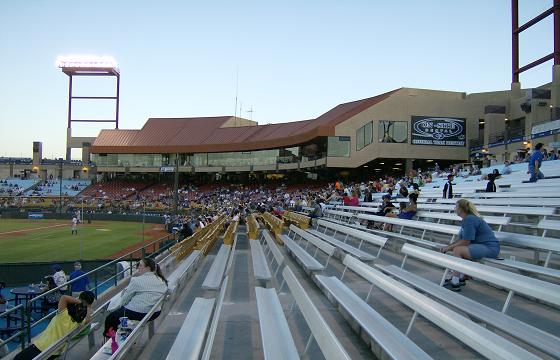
(59, 277)
(346, 199)
(52, 298)
(496, 174)
(317, 210)
(81, 284)
(354, 200)
(476, 241)
(491, 186)
(187, 230)
(70, 314)
(142, 293)
(535, 162)
(368, 197)
(552, 155)
(386, 207)
(448, 188)
(506, 170)
(406, 213)
(403, 191)
(3, 301)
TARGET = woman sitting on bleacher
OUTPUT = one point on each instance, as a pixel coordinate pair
(142, 293)
(476, 241)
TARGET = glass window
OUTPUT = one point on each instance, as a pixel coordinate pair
(364, 136)
(360, 139)
(368, 133)
(393, 132)
(338, 146)
(200, 159)
(112, 159)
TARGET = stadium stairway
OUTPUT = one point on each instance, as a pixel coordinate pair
(238, 334)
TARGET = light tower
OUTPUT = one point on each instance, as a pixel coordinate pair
(87, 65)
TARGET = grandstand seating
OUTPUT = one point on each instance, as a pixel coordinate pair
(114, 190)
(70, 187)
(15, 186)
(381, 283)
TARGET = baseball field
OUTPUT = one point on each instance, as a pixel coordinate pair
(51, 240)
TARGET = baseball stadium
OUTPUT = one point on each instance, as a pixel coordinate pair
(411, 224)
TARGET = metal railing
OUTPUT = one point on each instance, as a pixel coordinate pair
(27, 322)
(17, 333)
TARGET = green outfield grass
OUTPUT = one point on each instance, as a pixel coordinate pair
(43, 240)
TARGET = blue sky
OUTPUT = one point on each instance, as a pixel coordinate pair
(295, 59)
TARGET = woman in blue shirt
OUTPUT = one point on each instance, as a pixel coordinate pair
(476, 240)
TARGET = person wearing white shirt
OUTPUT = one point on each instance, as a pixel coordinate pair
(74, 226)
(141, 294)
(59, 277)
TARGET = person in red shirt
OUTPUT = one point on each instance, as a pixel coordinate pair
(354, 201)
(346, 200)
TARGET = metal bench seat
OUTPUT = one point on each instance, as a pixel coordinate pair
(190, 339)
(360, 254)
(260, 267)
(308, 261)
(275, 333)
(516, 328)
(392, 343)
(213, 279)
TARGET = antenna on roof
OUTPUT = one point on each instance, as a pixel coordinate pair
(236, 90)
(250, 112)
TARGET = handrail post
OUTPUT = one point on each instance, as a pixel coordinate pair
(95, 282)
(22, 337)
(116, 273)
(28, 317)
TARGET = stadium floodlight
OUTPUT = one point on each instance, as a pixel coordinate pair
(85, 61)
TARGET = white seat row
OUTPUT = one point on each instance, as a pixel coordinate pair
(192, 339)
(275, 333)
(213, 279)
(273, 248)
(503, 201)
(531, 335)
(537, 243)
(200, 325)
(515, 283)
(387, 340)
(463, 329)
(260, 267)
(308, 261)
(344, 247)
(492, 220)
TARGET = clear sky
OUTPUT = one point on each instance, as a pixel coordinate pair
(295, 59)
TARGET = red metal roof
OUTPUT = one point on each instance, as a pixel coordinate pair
(206, 134)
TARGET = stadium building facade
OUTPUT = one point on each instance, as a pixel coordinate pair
(389, 133)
